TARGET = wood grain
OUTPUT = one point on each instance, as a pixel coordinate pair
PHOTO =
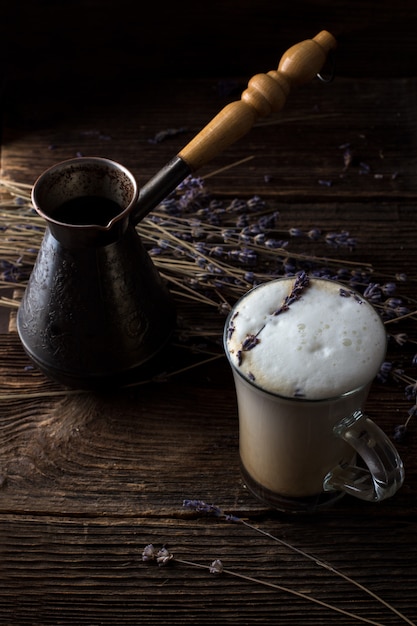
(86, 481)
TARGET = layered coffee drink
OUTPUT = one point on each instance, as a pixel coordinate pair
(303, 352)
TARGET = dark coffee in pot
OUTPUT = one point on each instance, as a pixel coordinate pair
(86, 210)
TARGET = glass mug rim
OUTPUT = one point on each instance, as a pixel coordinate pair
(276, 394)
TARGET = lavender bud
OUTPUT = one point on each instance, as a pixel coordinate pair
(364, 168)
(344, 293)
(164, 556)
(413, 411)
(214, 269)
(164, 243)
(202, 507)
(410, 392)
(342, 275)
(214, 219)
(347, 157)
(401, 311)
(259, 239)
(400, 433)
(237, 205)
(149, 553)
(266, 222)
(250, 342)
(400, 338)
(234, 255)
(216, 205)
(256, 203)
(245, 238)
(227, 234)
(373, 292)
(242, 221)
(296, 232)
(201, 247)
(274, 244)
(224, 309)
(389, 289)
(217, 251)
(393, 303)
(216, 567)
(248, 257)
(289, 268)
(384, 372)
(314, 234)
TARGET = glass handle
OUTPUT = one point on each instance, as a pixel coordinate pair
(384, 471)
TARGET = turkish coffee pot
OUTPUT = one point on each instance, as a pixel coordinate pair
(95, 309)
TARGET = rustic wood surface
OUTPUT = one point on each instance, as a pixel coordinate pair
(87, 480)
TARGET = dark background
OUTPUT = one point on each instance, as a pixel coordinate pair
(83, 48)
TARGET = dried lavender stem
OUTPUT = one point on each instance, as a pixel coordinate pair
(9, 303)
(201, 507)
(299, 594)
(296, 118)
(331, 569)
(227, 167)
(200, 298)
(403, 378)
(411, 314)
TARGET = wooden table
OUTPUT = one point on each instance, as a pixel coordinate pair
(88, 480)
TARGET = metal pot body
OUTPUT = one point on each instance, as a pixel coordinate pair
(95, 309)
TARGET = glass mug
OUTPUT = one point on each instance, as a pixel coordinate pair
(304, 352)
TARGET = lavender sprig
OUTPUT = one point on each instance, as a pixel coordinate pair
(301, 283)
(250, 342)
(209, 509)
(163, 557)
(201, 507)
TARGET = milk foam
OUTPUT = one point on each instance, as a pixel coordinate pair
(325, 344)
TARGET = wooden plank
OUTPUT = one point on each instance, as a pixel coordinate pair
(85, 571)
(87, 481)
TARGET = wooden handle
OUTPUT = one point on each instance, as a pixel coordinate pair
(265, 94)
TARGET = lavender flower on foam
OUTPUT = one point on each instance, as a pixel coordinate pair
(301, 283)
(348, 293)
(250, 342)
